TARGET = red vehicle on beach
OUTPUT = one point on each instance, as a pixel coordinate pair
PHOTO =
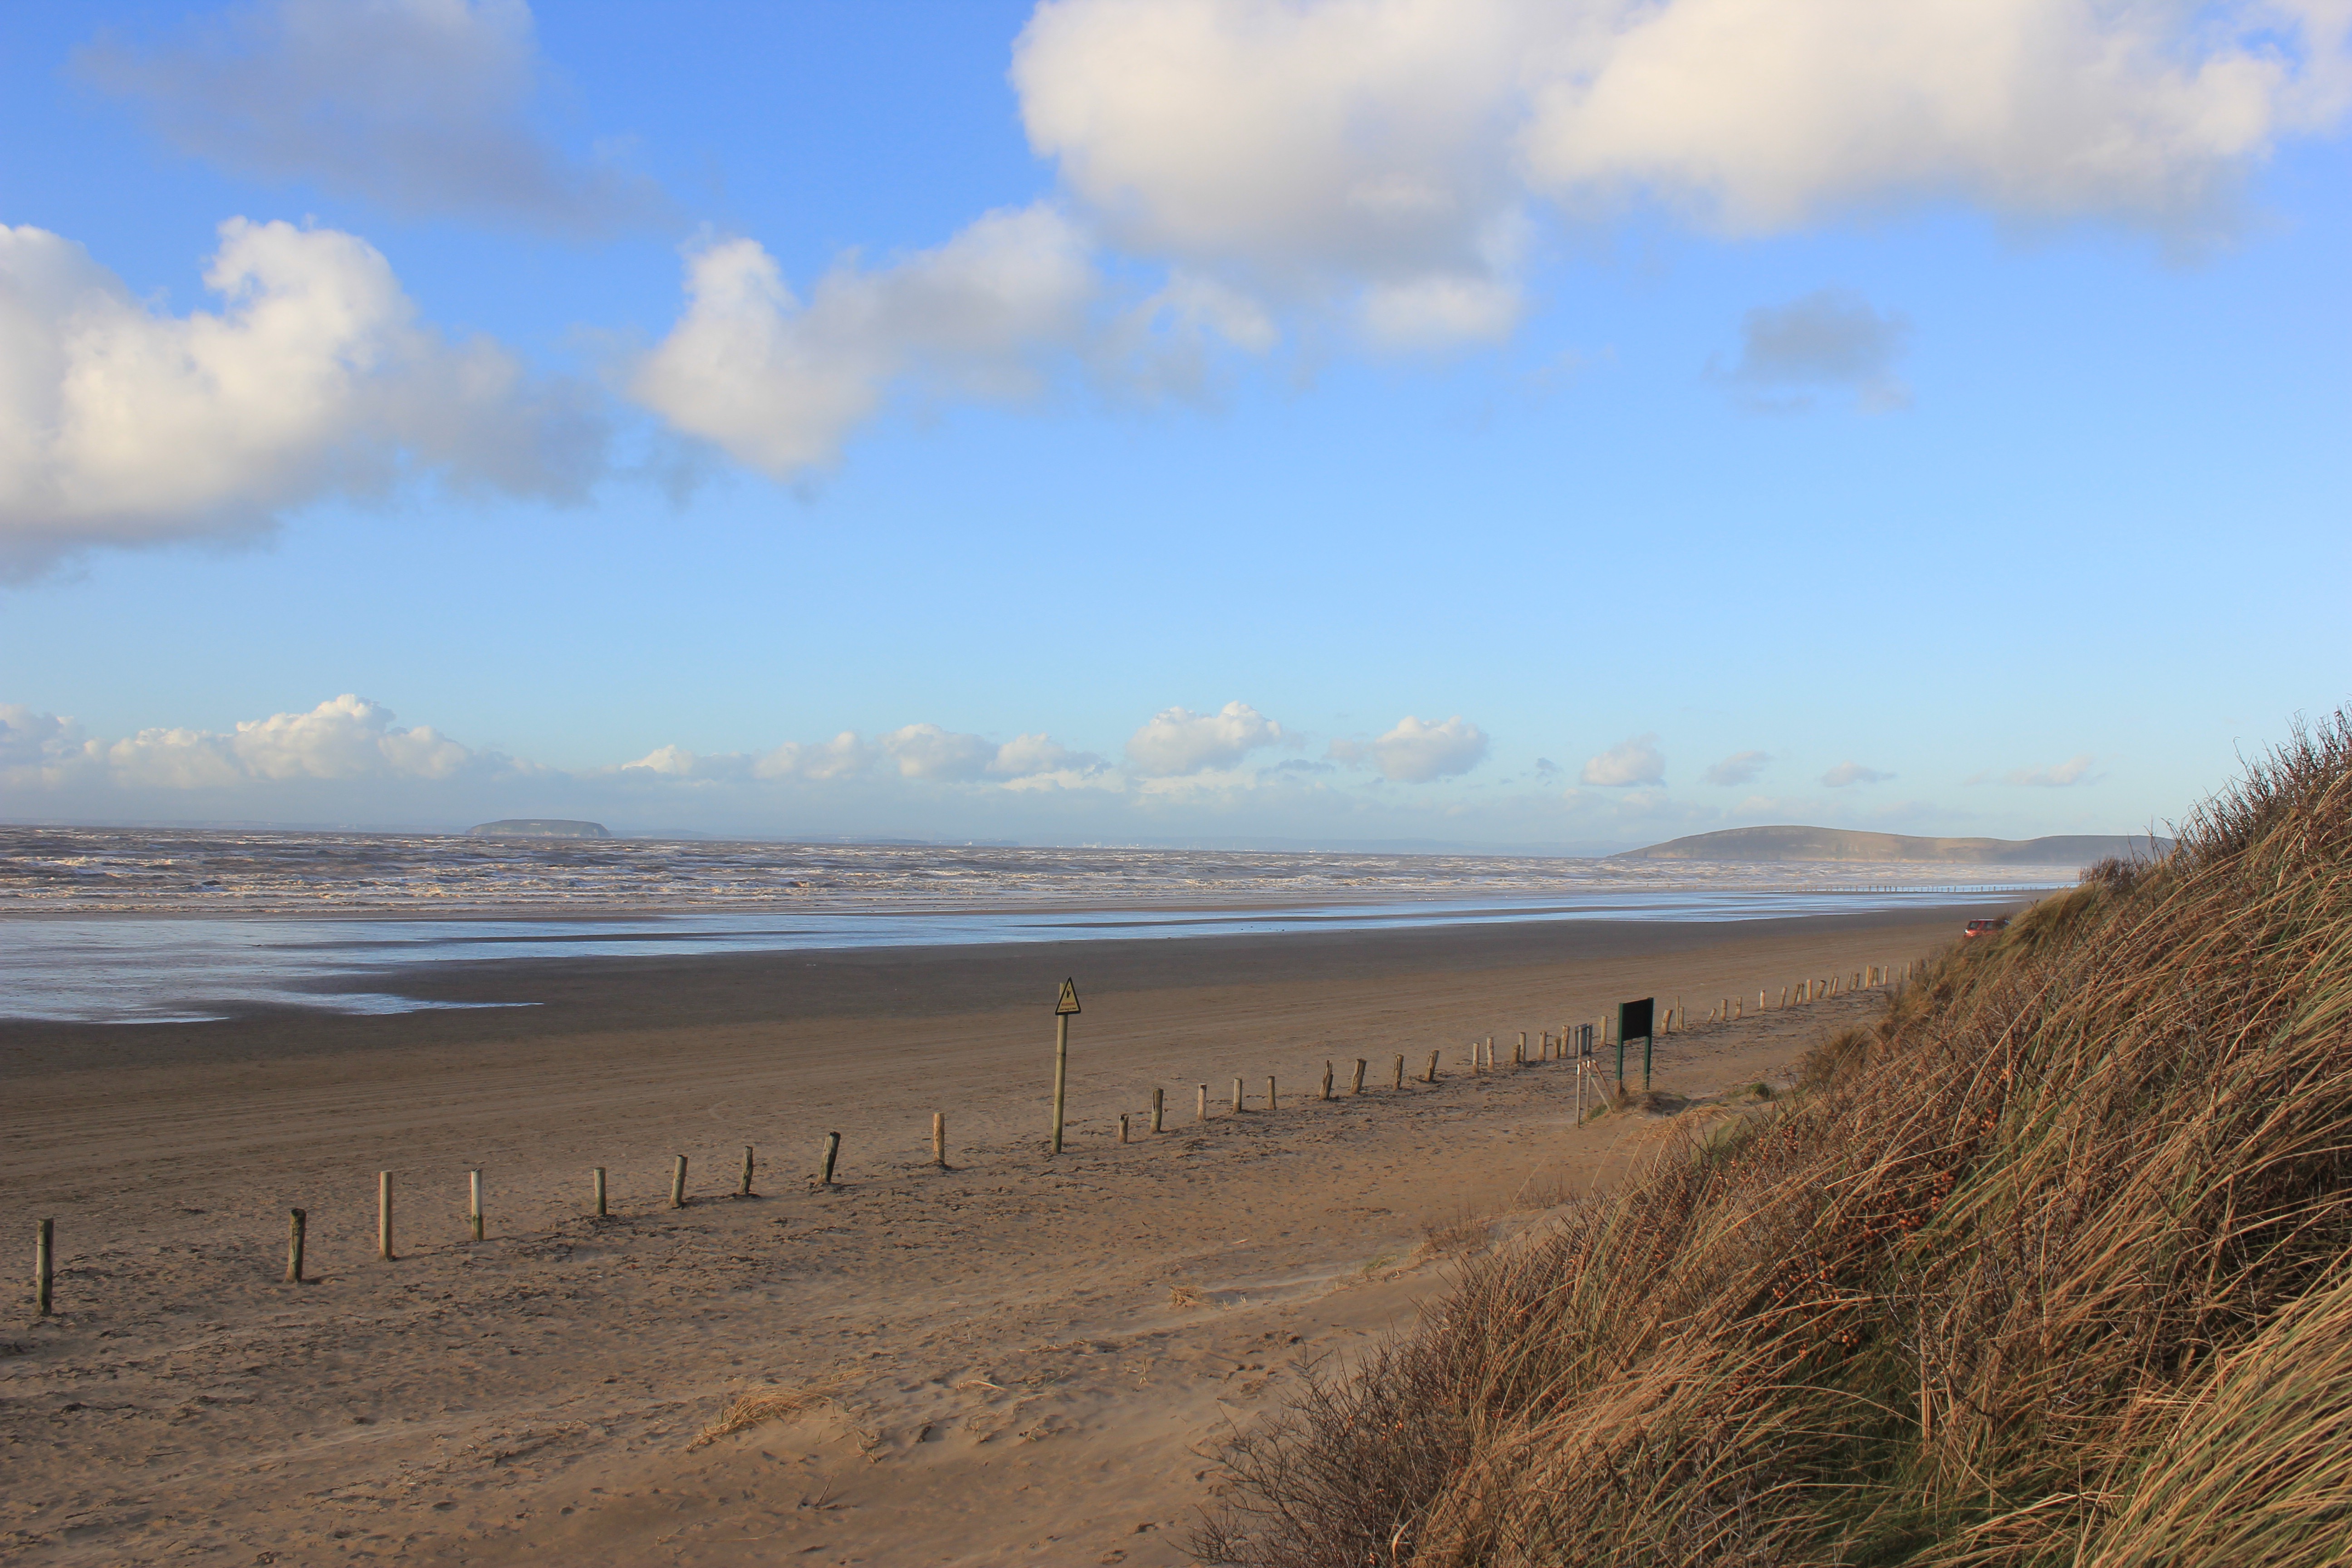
(1984, 927)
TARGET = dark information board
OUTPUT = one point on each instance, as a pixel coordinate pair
(1636, 1019)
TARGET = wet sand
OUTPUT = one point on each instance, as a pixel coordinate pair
(1014, 1360)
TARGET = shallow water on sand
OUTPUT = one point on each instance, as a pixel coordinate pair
(334, 921)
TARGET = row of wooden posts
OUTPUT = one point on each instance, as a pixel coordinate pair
(1576, 1042)
(1869, 976)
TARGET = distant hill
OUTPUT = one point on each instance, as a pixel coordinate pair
(1847, 844)
(538, 827)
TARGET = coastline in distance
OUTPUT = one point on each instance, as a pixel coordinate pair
(537, 827)
(1792, 843)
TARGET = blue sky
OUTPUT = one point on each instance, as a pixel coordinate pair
(1162, 420)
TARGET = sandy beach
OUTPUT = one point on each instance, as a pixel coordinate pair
(1015, 1359)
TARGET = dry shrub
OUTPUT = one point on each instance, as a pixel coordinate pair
(1458, 1230)
(2116, 873)
(1834, 1058)
(756, 1406)
(2049, 1267)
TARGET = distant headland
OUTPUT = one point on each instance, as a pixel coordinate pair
(537, 827)
(1848, 844)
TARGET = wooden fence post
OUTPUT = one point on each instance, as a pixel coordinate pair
(44, 1264)
(295, 1223)
(1400, 1072)
(678, 1183)
(1356, 1084)
(383, 1215)
(1326, 1080)
(596, 1181)
(1269, 1092)
(831, 1153)
(1432, 1068)
(746, 1191)
(1122, 1126)
(1203, 1115)
(474, 1201)
(940, 1138)
(1158, 1121)
(1237, 1094)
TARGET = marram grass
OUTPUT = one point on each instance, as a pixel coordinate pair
(2049, 1267)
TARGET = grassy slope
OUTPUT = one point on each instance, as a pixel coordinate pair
(2050, 1266)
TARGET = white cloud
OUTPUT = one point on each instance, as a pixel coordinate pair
(122, 425)
(419, 104)
(1361, 150)
(929, 752)
(843, 756)
(345, 740)
(779, 384)
(1041, 756)
(1852, 772)
(1740, 768)
(2073, 771)
(1628, 762)
(1760, 115)
(1178, 740)
(1383, 156)
(1416, 752)
(1828, 338)
(43, 750)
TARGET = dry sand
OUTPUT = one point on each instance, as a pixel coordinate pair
(1015, 1360)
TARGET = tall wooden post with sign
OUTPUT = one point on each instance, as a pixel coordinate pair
(1064, 1009)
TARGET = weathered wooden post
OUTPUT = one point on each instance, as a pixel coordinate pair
(474, 1201)
(295, 1223)
(1356, 1084)
(1326, 1080)
(678, 1183)
(1065, 1007)
(1237, 1094)
(1432, 1068)
(940, 1138)
(831, 1153)
(596, 1182)
(44, 1264)
(383, 1215)
(745, 1191)
(1203, 1114)
(1400, 1071)
(1157, 1123)
(1269, 1092)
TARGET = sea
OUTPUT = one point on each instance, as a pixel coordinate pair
(138, 925)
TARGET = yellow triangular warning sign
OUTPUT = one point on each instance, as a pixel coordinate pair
(1069, 1002)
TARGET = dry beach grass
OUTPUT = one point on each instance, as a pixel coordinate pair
(2049, 1264)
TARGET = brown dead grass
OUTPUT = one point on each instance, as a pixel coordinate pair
(2053, 1265)
(757, 1406)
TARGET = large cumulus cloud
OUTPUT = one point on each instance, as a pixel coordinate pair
(121, 424)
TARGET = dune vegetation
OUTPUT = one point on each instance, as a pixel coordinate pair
(2049, 1266)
